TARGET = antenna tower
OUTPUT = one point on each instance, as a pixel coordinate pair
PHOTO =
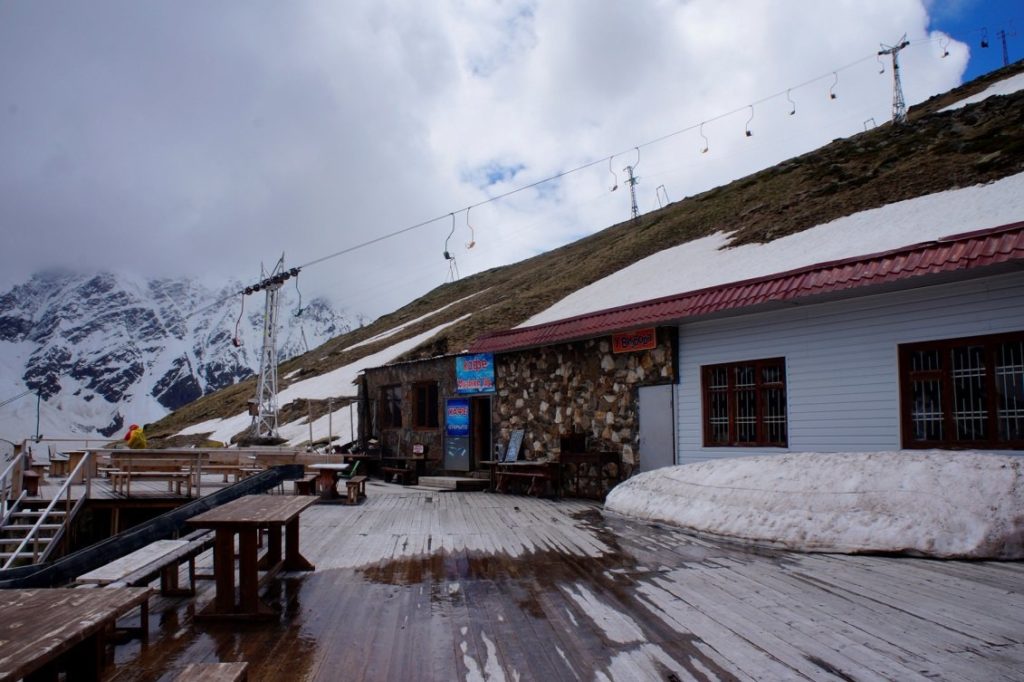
(899, 107)
(264, 409)
(632, 181)
(1002, 38)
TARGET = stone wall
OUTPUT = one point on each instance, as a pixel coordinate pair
(580, 387)
(399, 441)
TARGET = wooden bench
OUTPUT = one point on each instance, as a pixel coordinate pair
(306, 486)
(162, 558)
(403, 474)
(356, 489)
(120, 481)
(224, 469)
(214, 672)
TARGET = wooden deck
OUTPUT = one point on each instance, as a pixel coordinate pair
(414, 585)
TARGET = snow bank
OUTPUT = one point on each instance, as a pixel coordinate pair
(923, 502)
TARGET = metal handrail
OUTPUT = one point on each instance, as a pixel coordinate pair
(7, 486)
(33, 534)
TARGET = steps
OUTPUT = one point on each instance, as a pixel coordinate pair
(20, 523)
(453, 483)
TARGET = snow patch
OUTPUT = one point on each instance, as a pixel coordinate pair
(406, 325)
(1007, 86)
(932, 503)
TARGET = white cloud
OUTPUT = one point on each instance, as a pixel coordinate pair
(207, 138)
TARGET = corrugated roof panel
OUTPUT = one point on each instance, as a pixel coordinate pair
(969, 250)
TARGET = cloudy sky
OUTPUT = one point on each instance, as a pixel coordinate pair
(203, 139)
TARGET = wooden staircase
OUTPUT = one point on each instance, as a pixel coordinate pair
(19, 523)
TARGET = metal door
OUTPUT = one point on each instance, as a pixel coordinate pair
(657, 428)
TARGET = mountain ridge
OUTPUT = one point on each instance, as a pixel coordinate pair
(101, 349)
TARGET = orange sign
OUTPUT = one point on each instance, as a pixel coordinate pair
(640, 339)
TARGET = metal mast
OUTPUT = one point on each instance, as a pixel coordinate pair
(1006, 55)
(264, 411)
(899, 107)
(632, 182)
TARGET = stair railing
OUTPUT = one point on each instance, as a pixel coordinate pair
(11, 492)
(34, 535)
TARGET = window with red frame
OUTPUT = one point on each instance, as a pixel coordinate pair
(745, 403)
(963, 393)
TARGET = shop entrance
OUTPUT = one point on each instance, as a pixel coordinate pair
(480, 430)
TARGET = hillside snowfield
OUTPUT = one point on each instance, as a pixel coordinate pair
(931, 503)
(709, 261)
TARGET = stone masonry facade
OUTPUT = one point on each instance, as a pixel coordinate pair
(399, 441)
(580, 387)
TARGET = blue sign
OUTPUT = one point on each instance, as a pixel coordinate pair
(474, 373)
(456, 417)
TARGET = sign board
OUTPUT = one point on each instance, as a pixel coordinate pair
(474, 373)
(456, 454)
(515, 441)
(638, 339)
(456, 417)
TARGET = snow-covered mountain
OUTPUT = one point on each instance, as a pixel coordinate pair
(103, 350)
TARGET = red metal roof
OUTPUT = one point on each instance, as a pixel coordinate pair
(955, 253)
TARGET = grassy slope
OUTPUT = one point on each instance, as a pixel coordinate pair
(935, 152)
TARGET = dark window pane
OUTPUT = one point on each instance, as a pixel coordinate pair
(926, 413)
(1010, 386)
(970, 404)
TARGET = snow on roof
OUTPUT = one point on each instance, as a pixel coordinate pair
(704, 262)
(334, 383)
(921, 502)
(1007, 86)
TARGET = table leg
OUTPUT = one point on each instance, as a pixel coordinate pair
(248, 572)
(273, 555)
(224, 570)
(293, 559)
(328, 484)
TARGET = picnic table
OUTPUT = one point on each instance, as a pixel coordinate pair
(540, 475)
(44, 631)
(244, 518)
(327, 481)
(179, 471)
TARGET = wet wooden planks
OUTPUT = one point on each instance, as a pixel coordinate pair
(40, 626)
(415, 585)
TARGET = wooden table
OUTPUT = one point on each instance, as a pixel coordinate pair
(327, 483)
(46, 630)
(244, 518)
(541, 475)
